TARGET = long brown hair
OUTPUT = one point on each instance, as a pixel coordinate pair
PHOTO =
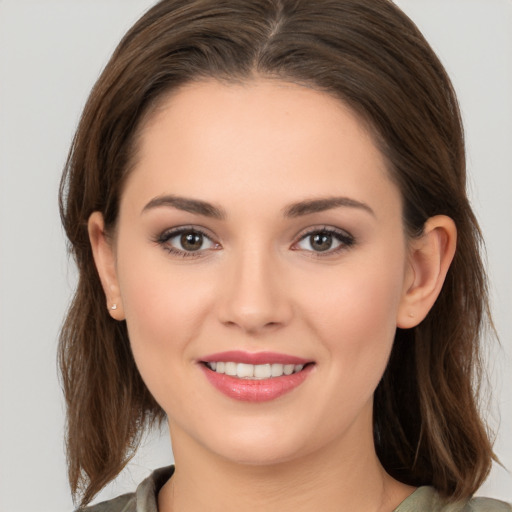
(367, 53)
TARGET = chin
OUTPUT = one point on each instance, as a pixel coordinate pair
(260, 446)
(259, 456)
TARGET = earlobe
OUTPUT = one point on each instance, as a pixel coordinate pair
(104, 259)
(430, 256)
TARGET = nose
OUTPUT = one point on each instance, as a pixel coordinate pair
(254, 294)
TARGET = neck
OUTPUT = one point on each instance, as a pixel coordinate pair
(332, 479)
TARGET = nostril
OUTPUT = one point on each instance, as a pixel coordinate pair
(252, 322)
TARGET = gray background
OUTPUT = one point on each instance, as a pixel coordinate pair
(51, 52)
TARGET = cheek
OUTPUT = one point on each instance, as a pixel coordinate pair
(356, 320)
(164, 312)
(361, 297)
(163, 307)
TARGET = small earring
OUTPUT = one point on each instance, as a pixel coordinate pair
(113, 307)
(411, 315)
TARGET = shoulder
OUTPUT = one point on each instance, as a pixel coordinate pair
(124, 503)
(487, 505)
(426, 499)
(144, 499)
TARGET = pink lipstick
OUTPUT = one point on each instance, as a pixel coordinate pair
(255, 377)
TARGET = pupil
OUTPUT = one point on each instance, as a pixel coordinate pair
(191, 241)
(321, 241)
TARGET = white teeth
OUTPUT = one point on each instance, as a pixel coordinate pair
(262, 371)
(244, 370)
(254, 371)
(288, 369)
(277, 370)
(230, 369)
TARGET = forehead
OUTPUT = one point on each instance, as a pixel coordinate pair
(264, 136)
(263, 107)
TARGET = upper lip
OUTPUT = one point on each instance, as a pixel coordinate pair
(239, 356)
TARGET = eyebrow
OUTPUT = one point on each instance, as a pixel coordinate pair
(294, 210)
(320, 205)
(187, 205)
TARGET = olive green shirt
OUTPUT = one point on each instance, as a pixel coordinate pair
(424, 499)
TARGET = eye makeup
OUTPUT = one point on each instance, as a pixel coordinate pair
(324, 241)
(193, 242)
(186, 242)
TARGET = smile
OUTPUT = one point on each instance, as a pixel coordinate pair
(255, 377)
(254, 371)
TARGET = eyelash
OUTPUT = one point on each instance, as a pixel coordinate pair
(163, 241)
(344, 239)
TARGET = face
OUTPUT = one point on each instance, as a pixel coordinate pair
(260, 235)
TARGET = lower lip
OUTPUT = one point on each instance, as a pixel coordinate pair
(247, 390)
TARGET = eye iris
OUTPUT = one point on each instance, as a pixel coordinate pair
(321, 241)
(191, 241)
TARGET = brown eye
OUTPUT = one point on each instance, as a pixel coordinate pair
(191, 241)
(321, 242)
(186, 241)
(327, 241)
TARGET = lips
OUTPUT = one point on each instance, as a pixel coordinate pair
(255, 377)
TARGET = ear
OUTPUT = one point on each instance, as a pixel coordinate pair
(104, 258)
(430, 256)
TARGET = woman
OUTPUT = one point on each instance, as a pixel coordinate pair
(266, 202)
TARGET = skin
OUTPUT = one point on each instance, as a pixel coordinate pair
(257, 284)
